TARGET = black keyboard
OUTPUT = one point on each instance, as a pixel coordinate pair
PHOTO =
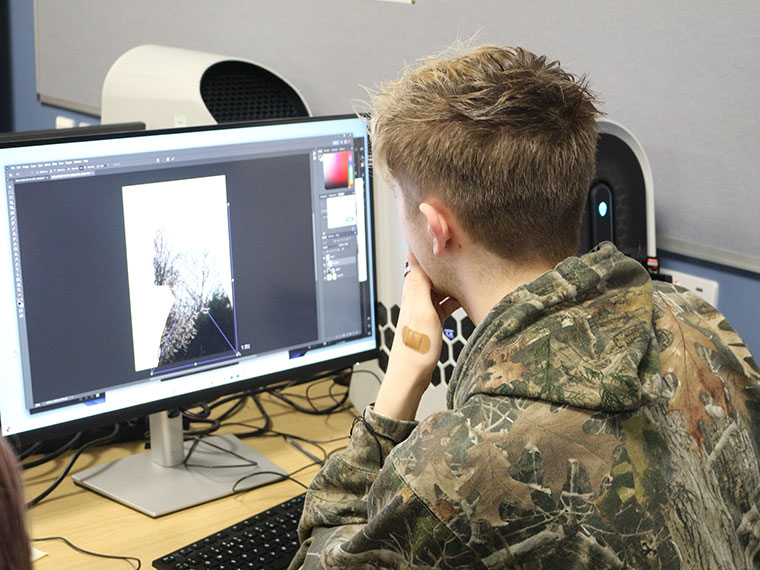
(267, 540)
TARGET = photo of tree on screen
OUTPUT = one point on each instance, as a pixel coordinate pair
(180, 276)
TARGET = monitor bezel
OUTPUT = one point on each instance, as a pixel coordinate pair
(258, 384)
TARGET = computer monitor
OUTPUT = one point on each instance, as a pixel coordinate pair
(144, 271)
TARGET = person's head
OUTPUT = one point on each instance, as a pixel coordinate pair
(14, 540)
(504, 138)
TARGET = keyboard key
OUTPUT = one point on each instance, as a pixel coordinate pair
(265, 541)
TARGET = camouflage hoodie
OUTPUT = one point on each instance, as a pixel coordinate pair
(596, 420)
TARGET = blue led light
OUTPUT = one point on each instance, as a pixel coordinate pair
(602, 209)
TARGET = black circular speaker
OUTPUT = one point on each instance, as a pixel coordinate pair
(241, 91)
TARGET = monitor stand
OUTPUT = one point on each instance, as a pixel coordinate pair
(158, 482)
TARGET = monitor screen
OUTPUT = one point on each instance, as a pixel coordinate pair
(145, 270)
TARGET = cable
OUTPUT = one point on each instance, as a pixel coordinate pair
(298, 437)
(336, 450)
(200, 417)
(198, 440)
(249, 463)
(29, 450)
(259, 431)
(205, 412)
(214, 426)
(203, 415)
(306, 452)
(324, 376)
(334, 399)
(281, 477)
(62, 476)
(274, 433)
(214, 423)
(338, 406)
(376, 436)
(288, 437)
(330, 394)
(240, 404)
(90, 553)
(54, 454)
(379, 381)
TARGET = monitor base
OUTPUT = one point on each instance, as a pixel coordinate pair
(210, 473)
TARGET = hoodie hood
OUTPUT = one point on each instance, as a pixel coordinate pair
(580, 335)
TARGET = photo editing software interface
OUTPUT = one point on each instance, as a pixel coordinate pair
(147, 267)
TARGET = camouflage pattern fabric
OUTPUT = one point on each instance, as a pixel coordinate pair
(597, 420)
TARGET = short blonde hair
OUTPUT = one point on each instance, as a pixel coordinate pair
(505, 138)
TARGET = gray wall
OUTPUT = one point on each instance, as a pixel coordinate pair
(738, 293)
(28, 113)
(6, 110)
(680, 75)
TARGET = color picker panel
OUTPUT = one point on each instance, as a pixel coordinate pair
(338, 168)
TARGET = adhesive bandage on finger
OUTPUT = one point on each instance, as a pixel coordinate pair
(417, 341)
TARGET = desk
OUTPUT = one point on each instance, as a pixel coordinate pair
(101, 525)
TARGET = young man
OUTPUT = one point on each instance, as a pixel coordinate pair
(596, 419)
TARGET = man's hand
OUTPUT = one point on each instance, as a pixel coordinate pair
(416, 345)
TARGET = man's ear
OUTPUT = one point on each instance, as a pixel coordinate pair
(438, 226)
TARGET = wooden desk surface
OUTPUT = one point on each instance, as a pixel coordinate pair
(96, 523)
